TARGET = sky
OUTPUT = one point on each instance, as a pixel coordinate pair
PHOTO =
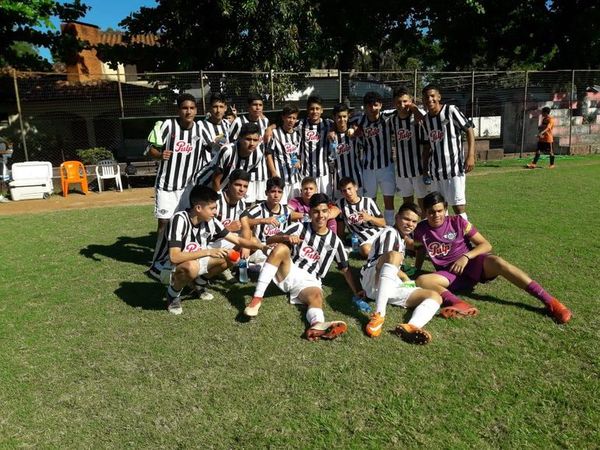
(105, 14)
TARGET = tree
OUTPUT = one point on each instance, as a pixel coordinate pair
(20, 28)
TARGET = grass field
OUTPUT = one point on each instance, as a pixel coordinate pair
(91, 359)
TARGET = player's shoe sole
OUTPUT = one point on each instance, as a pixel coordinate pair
(252, 309)
(412, 334)
(458, 310)
(326, 330)
(174, 306)
(375, 325)
(558, 311)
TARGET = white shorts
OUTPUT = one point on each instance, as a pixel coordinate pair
(453, 190)
(221, 243)
(296, 281)
(290, 191)
(385, 178)
(325, 185)
(167, 203)
(203, 265)
(370, 284)
(407, 187)
(256, 191)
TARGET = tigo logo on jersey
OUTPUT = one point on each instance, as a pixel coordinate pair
(438, 249)
(310, 253)
(436, 135)
(403, 134)
(311, 136)
(182, 147)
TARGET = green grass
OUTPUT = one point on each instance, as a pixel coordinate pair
(90, 357)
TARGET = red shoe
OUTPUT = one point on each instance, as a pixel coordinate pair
(558, 311)
(326, 330)
(412, 334)
(458, 309)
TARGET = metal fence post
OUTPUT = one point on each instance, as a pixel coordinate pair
(571, 109)
(120, 92)
(272, 91)
(202, 92)
(340, 85)
(23, 141)
(415, 86)
(524, 112)
(472, 94)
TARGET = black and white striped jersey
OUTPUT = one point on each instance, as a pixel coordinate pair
(316, 252)
(351, 215)
(314, 146)
(408, 138)
(227, 213)
(347, 159)
(282, 146)
(387, 240)
(261, 211)
(210, 131)
(444, 134)
(183, 234)
(176, 172)
(227, 160)
(260, 172)
(375, 139)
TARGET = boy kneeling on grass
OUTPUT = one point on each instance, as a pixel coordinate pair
(302, 256)
(191, 234)
(462, 258)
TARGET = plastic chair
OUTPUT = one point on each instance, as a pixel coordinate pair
(108, 169)
(73, 172)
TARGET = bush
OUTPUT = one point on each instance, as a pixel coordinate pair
(93, 155)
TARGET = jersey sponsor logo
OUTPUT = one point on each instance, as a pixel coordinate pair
(311, 136)
(436, 135)
(192, 247)
(343, 148)
(451, 235)
(310, 253)
(371, 131)
(270, 230)
(290, 148)
(182, 147)
(354, 219)
(438, 249)
(226, 221)
(403, 134)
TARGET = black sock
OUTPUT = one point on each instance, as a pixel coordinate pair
(551, 160)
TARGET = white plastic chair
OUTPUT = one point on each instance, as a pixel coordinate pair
(107, 169)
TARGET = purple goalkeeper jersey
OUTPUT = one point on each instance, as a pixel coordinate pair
(446, 243)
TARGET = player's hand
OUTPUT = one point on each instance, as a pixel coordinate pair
(244, 253)
(364, 216)
(331, 137)
(272, 221)
(166, 154)
(234, 225)
(459, 265)
(293, 239)
(469, 164)
(218, 252)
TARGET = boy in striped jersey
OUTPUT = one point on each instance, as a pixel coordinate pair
(215, 129)
(361, 214)
(191, 235)
(374, 136)
(176, 143)
(347, 161)
(258, 174)
(443, 154)
(383, 279)
(283, 159)
(302, 256)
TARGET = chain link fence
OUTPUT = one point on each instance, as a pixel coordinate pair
(49, 118)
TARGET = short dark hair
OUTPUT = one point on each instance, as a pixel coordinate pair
(249, 128)
(400, 91)
(317, 200)
(229, 112)
(546, 110)
(184, 98)
(345, 181)
(340, 107)
(253, 97)
(409, 206)
(202, 195)
(314, 99)
(372, 97)
(217, 97)
(239, 174)
(275, 182)
(431, 87)
(433, 198)
(289, 109)
(308, 180)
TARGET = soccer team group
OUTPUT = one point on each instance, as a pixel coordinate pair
(282, 199)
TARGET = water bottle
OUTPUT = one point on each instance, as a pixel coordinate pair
(243, 269)
(282, 218)
(294, 161)
(333, 145)
(355, 243)
(361, 304)
(306, 218)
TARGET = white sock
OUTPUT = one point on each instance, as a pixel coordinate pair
(389, 215)
(267, 273)
(464, 216)
(424, 312)
(387, 281)
(315, 315)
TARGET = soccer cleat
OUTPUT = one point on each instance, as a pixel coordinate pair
(253, 307)
(531, 166)
(375, 325)
(174, 305)
(558, 311)
(413, 334)
(326, 330)
(458, 309)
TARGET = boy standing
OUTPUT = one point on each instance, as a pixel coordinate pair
(347, 162)
(215, 128)
(545, 139)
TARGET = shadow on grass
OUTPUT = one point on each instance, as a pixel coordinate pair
(145, 295)
(488, 298)
(137, 250)
(236, 294)
(340, 299)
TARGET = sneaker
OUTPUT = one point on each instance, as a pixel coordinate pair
(552, 166)
(375, 325)
(326, 330)
(558, 311)
(203, 294)
(412, 334)
(531, 166)
(174, 305)
(253, 307)
(227, 275)
(459, 309)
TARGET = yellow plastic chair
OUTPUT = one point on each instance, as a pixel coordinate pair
(73, 172)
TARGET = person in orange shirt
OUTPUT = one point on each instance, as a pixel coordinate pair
(545, 139)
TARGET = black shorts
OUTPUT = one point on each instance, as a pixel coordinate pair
(545, 147)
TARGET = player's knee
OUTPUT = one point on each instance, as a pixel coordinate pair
(433, 296)
(364, 250)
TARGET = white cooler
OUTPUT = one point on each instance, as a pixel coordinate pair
(31, 180)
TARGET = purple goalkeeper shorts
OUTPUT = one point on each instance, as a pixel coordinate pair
(467, 280)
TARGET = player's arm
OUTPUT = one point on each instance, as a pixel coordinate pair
(271, 165)
(425, 155)
(481, 246)
(269, 133)
(351, 282)
(246, 234)
(177, 256)
(334, 211)
(217, 178)
(252, 243)
(470, 159)
(376, 221)
(419, 255)
(281, 238)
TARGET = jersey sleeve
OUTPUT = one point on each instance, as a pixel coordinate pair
(251, 213)
(293, 229)
(294, 205)
(373, 208)
(460, 119)
(341, 256)
(234, 129)
(468, 228)
(176, 230)
(220, 231)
